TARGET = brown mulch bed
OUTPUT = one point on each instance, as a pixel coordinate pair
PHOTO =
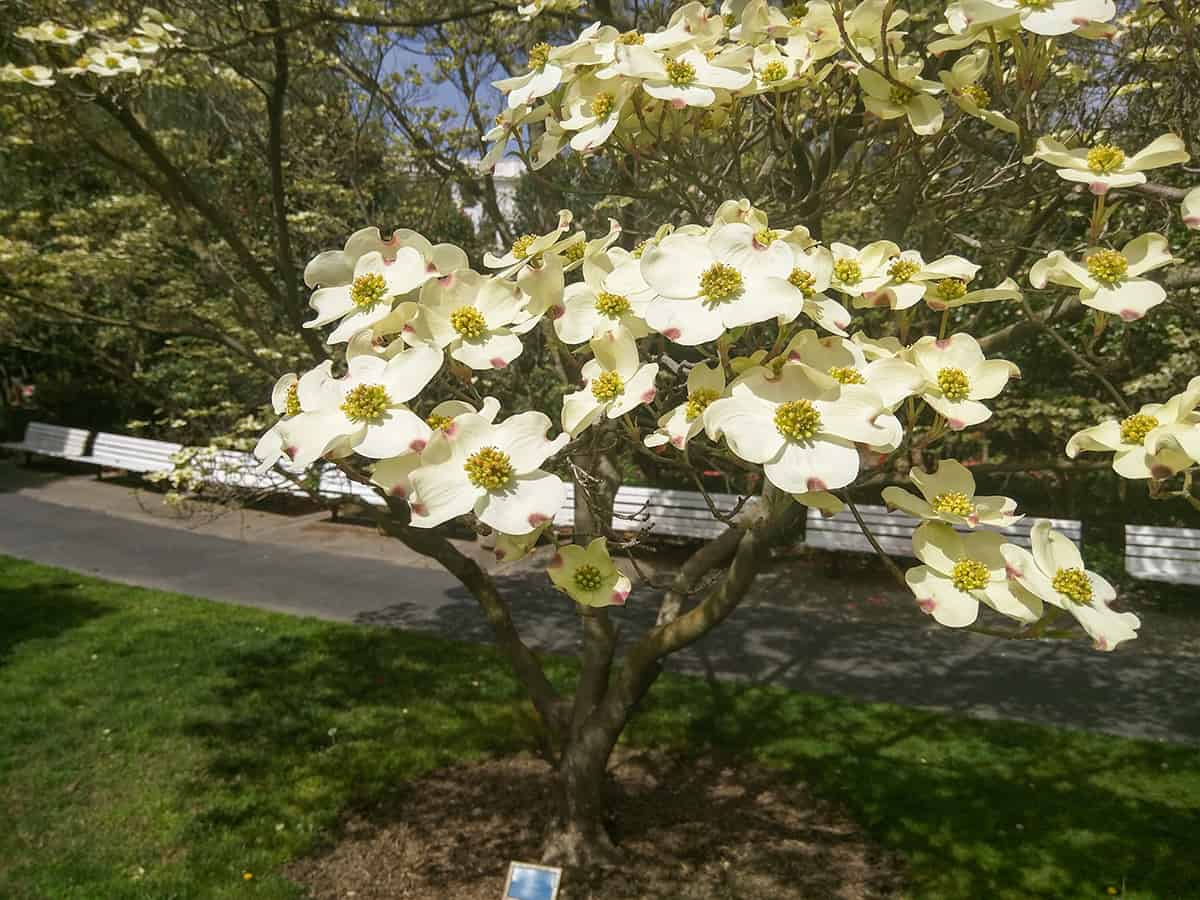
(686, 830)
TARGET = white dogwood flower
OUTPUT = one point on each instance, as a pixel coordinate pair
(35, 76)
(394, 474)
(490, 470)
(1054, 573)
(734, 276)
(1110, 280)
(691, 80)
(108, 62)
(961, 571)
(958, 377)
(909, 95)
(811, 276)
(800, 425)
(51, 33)
(1104, 167)
(472, 316)
(705, 383)
(615, 382)
(962, 84)
(909, 278)
(371, 295)
(1045, 17)
(365, 409)
(1151, 443)
(529, 247)
(592, 308)
(594, 108)
(892, 378)
(588, 575)
(858, 272)
(948, 495)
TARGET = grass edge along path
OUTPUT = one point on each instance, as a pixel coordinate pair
(156, 746)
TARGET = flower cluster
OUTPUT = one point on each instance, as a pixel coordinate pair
(639, 90)
(963, 564)
(107, 57)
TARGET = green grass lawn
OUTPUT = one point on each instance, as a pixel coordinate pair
(158, 746)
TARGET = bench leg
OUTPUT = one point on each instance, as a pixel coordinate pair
(28, 458)
(333, 512)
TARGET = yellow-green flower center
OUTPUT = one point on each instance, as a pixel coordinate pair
(1034, 4)
(366, 403)
(607, 386)
(953, 383)
(1108, 266)
(774, 71)
(765, 237)
(798, 420)
(803, 281)
(637, 251)
(367, 290)
(978, 95)
(951, 288)
(846, 375)
(113, 62)
(438, 423)
(901, 95)
(1135, 428)
(468, 322)
(847, 271)
(587, 578)
(291, 404)
(631, 37)
(612, 305)
(956, 503)
(602, 105)
(574, 252)
(680, 73)
(1104, 159)
(903, 269)
(539, 55)
(520, 247)
(489, 468)
(1073, 584)
(134, 41)
(720, 282)
(969, 575)
(699, 400)
(60, 32)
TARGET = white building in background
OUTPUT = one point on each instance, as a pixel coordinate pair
(506, 176)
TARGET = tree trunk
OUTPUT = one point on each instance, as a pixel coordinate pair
(578, 835)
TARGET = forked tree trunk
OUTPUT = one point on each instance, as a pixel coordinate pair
(578, 834)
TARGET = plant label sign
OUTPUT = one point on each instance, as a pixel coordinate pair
(527, 881)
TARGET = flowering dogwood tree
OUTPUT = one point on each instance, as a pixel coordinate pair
(729, 338)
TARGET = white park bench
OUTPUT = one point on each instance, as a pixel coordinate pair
(893, 531)
(1163, 554)
(663, 512)
(42, 439)
(133, 454)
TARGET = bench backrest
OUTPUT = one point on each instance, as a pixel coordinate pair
(1163, 554)
(236, 469)
(669, 512)
(894, 531)
(132, 453)
(55, 440)
(335, 485)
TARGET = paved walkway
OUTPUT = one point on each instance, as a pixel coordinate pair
(1130, 693)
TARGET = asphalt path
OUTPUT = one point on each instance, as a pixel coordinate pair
(1128, 693)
